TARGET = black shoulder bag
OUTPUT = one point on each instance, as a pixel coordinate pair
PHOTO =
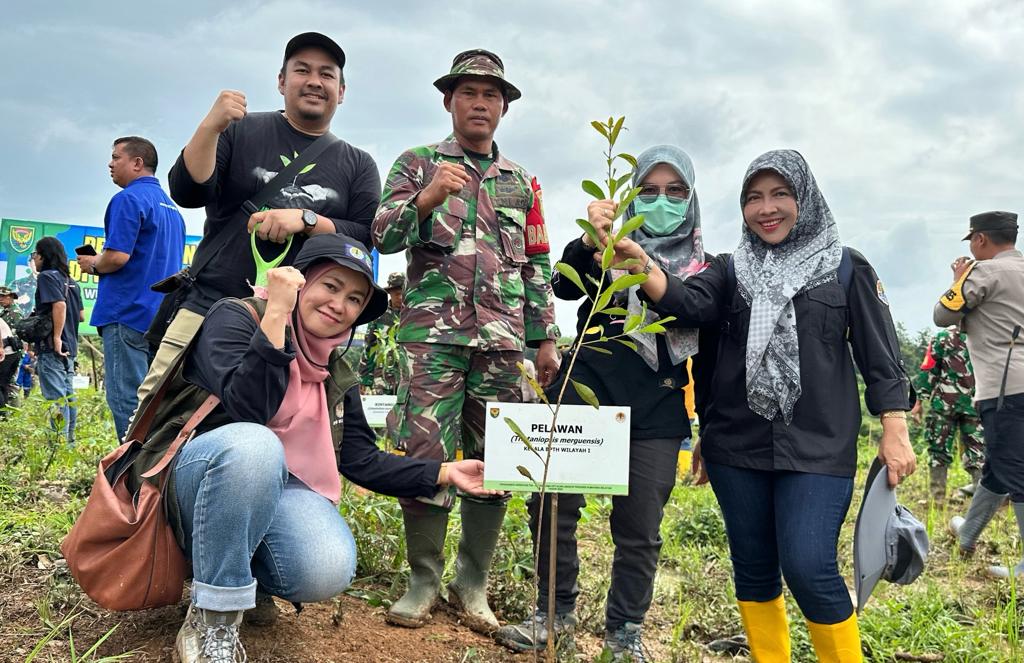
(177, 285)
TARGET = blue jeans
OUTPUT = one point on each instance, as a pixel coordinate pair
(55, 382)
(248, 522)
(787, 520)
(125, 362)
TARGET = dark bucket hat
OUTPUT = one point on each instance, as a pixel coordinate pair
(346, 252)
(478, 62)
(889, 543)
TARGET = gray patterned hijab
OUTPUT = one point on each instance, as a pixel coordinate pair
(769, 276)
(680, 253)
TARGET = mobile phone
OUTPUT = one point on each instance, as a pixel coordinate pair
(86, 250)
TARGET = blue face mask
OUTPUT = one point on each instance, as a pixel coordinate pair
(662, 216)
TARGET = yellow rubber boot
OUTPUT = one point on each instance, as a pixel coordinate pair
(837, 643)
(767, 629)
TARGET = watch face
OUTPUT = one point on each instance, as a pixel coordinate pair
(309, 218)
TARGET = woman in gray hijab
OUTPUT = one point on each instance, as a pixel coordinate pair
(648, 374)
(779, 440)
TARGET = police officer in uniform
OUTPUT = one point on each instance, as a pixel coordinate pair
(987, 300)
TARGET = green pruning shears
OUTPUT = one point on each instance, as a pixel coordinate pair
(264, 266)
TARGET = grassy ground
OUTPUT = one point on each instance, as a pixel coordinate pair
(952, 613)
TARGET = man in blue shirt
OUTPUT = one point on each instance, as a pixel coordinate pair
(145, 240)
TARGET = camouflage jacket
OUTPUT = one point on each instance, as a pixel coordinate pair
(946, 377)
(378, 369)
(11, 314)
(474, 280)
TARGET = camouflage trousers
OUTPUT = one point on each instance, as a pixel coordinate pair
(940, 432)
(441, 403)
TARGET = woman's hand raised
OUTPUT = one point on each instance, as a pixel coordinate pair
(283, 285)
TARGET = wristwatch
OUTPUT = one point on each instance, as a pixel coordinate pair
(309, 220)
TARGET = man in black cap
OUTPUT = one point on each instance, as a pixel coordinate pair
(987, 300)
(232, 156)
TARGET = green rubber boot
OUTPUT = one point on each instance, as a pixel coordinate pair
(467, 594)
(424, 544)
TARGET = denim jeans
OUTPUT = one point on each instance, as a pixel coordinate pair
(1003, 471)
(789, 520)
(55, 382)
(125, 362)
(248, 522)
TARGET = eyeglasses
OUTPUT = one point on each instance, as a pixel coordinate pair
(649, 192)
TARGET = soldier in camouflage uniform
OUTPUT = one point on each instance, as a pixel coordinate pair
(471, 224)
(11, 313)
(946, 380)
(380, 368)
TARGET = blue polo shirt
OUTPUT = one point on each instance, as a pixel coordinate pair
(142, 221)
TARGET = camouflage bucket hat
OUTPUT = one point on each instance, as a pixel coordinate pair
(5, 291)
(478, 62)
(396, 281)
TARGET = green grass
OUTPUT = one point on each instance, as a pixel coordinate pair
(952, 609)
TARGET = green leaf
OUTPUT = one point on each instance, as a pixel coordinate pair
(594, 189)
(589, 229)
(597, 349)
(615, 131)
(626, 200)
(607, 256)
(622, 180)
(519, 433)
(615, 310)
(626, 342)
(285, 160)
(629, 158)
(596, 282)
(601, 129)
(585, 393)
(627, 263)
(594, 330)
(569, 272)
(537, 389)
(653, 328)
(307, 169)
(525, 472)
(629, 226)
(603, 300)
(626, 281)
(632, 322)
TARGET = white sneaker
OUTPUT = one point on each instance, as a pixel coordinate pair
(208, 636)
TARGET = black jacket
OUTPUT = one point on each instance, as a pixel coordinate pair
(231, 357)
(822, 437)
(655, 398)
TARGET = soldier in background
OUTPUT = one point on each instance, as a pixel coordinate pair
(471, 224)
(380, 368)
(946, 380)
(10, 313)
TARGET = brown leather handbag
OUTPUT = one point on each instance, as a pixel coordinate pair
(121, 550)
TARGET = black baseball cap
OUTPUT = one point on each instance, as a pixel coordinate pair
(307, 39)
(992, 221)
(350, 253)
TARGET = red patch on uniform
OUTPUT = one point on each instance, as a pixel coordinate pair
(929, 360)
(536, 231)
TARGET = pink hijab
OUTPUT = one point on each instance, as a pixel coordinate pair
(302, 422)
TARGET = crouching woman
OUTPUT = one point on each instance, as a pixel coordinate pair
(254, 495)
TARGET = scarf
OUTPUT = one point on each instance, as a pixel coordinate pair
(680, 253)
(769, 276)
(302, 422)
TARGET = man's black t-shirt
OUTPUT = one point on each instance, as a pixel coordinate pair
(52, 286)
(342, 184)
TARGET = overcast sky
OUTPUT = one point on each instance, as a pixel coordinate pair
(910, 114)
